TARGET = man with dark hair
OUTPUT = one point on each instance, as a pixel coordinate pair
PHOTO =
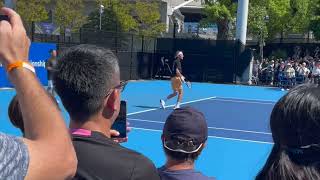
(88, 82)
(50, 66)
(184, 136)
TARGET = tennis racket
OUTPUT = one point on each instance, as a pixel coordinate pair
(187, 83)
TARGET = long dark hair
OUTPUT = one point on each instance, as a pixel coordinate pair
(295, 127)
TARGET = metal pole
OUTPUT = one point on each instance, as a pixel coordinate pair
(101, 8)
(242, 21)
(100, 22)
(261, 44)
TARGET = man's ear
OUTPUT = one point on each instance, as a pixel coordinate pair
(113, 100)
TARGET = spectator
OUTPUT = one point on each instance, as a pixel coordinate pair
(294, 124)
(88, 82)
(303, 71)
(50, 66)
(290, 74)
(270, 73)
(184, 136)
(316, 73)
(15, 115)
(46, 136)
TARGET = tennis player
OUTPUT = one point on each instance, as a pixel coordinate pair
(176, 81)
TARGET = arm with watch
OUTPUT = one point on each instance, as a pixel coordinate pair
(46, 135)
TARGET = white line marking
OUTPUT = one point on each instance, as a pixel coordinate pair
(143, 120)
(225, 129)
(235, 98)
(217, 137)
(239, 101)
(188, 102)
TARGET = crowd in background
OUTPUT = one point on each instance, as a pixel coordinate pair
(288, 72)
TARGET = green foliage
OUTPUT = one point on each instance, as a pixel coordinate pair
(148, 18)
(257, 22)
(124, 16)
(315, 19)
(69, 14)
(288, 16)
(122, 11)
(116, 17)
(279, 12)
(221, 12)
(32, 10)
(1, 3)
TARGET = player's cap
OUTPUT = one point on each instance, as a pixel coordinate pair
(185, 130)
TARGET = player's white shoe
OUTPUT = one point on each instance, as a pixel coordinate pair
(162, 104)
(177, 106)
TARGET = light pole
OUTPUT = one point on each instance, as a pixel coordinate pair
(266, 19)
(101, 10)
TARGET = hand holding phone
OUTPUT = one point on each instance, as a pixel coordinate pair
(4, 18)
(120, 124)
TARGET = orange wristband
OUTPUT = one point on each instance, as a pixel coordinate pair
(20, 64)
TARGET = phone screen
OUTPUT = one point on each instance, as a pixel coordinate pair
(4, 18)
(120, 124)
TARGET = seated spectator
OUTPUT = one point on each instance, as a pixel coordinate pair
(88, 82)
(46, 151)
(294, 124)
(15, 115)
(184, 137)
(316, 73)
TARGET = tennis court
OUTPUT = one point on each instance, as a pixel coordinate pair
(238, 119)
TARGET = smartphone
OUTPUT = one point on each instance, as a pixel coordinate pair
(4, 18)
(120, 124)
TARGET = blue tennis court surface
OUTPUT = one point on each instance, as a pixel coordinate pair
(237, 116)
(238, 119)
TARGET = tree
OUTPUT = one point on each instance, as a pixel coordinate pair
(221, 12)
(300, 16)
(315, 20)
(288, 16)
(257, 20)
(148, 18)
(116, 17)
(32, 10)
(69, 14)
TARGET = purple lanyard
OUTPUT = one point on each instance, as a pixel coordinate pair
(81, 132)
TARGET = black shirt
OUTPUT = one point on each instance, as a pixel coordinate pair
(186, 174)
(51, 63)
(99, 158)
(176, 65)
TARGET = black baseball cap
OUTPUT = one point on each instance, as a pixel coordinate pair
(185, 130)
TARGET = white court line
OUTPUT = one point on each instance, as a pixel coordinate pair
(217, 137)
(226, 129)
(239, 101)
(188, 102)
(234, 98)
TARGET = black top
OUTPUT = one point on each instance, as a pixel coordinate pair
(176, 65)
(99, 158)
(51, 64)
(187, 174)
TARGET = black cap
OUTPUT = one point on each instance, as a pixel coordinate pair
(185, 130)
